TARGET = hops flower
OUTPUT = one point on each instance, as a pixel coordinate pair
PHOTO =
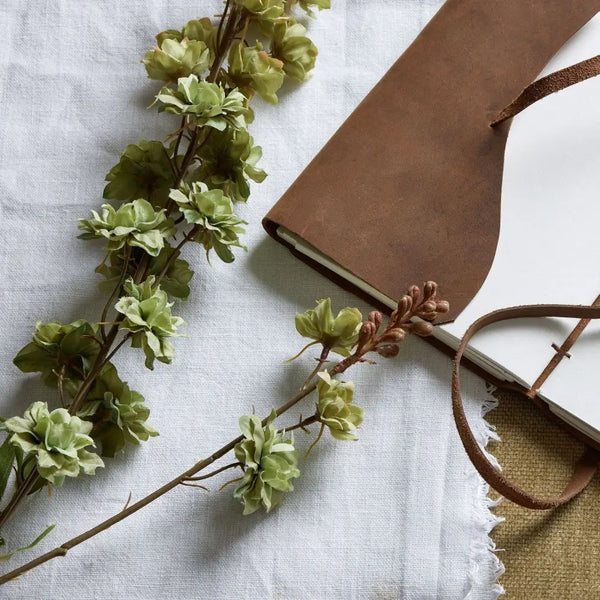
(70, 349)
(339, 335)
(207, 104)
(134, 224)
(318, 4)
(270, 462)
(335, 408)
(117, 413)
(253, 70)
(143, 171)
(264, 9)
(228, 161)
(56, 439)
(146, 310)
(174, 280)
(174, 58)
(297, 52)
(213, 212)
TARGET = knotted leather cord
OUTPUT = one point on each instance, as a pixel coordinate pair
(559, 80)
(587, 466)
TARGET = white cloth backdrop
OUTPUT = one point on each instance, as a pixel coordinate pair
(398, 514)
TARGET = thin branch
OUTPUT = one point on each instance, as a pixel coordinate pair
(213, 473)
(322, 359)
(61, 394)
(302, 424)
(116, 290)
(176, 252)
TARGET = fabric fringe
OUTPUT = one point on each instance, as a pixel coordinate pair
(485, 566)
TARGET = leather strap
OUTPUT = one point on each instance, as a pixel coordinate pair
(587, 466)
(559, 80)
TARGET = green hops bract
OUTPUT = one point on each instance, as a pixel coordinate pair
(56, 439)
(270, 462)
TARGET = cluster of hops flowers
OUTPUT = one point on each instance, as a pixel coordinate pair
(67, 349)
(213, 212)
(118, 414)
(143, 171)
(206, 104)
(147, 311)
(339, 334)
(335, 408)
(134, 224)
(269, 462)
(56, 439)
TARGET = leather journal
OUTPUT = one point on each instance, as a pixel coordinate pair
(422, 182)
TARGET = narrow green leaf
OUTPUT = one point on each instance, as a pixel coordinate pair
(38, 539)
(7, 457)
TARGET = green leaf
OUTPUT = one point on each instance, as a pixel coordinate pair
(38, 539)
(7, 458)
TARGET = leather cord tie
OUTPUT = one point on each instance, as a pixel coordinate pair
(559, 80)
(585, 468)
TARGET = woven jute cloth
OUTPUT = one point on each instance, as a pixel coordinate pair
(546, 554)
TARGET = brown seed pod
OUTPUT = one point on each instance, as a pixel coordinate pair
(375, 317)
(422, 328)
(430, 289)
(388, 350)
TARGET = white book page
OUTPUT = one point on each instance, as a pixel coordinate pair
(549, 245)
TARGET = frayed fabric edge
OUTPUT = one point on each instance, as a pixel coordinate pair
(484, 565)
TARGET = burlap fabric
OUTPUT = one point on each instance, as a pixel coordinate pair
(547, 554)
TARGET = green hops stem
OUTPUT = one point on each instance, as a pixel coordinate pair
(56, 440)
(134, 224)
(270, 463)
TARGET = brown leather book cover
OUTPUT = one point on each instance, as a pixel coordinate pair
(408, 189)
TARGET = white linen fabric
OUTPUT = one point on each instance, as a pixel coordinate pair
(398, 514)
